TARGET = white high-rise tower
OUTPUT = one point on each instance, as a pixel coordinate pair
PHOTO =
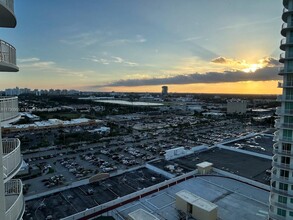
(11, 196)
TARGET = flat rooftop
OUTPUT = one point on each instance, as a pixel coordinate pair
(262, 144)
(226, 160)
(235, 200)
(77, 199)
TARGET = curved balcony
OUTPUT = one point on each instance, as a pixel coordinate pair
(285, 3)
(14, 200)
(276, 136)
(286, 27)
(284, 43)
(278, 151)
(281, 192)
(9, 109)
(286, 13)
(282, 71)
(274, 201)
(284, 57)
(280, 178)
(7, 17)
(280, 125)
(7, 57)
(12, 159)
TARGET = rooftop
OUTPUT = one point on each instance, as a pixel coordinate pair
(196, 200)
(229, 195)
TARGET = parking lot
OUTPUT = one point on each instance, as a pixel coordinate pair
(70, 201)
(260, 144)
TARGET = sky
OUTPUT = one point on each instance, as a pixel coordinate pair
(215, 46)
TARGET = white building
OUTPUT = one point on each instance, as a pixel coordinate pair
(236, 106)
(281, 196)
(11, 196)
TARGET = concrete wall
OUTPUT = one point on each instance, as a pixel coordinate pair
(202, 214)
(181, 204)
(243, 179)
(123, 200)
(160, 171)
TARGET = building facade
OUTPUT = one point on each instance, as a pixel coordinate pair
(281, 196)
(11, 194)
(236, 107)
(164, 91)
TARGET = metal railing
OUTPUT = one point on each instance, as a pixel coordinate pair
(8, 4)
(15, 200)
(7, 53)
(8, 108)
(11, 156)
(280, 178)
(277, 150)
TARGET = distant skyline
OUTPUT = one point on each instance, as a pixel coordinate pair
(227, 46)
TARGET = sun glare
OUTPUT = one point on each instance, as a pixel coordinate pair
(252, 68)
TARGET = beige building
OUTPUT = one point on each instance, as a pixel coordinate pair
(196, 206)
(204, 167)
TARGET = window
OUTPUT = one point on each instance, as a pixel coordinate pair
(289, 65)
(290, 213)
(288, 119)
(287, 134)
(281, 212)
(289, 106)
(284, 186)
(286, 147)
(291, 200)
(290, 54)
(285, 160)
(284, 173)
(282, 199)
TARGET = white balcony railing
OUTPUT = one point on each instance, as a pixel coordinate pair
(14, 200)
(8, 108)
(277, 150)
(11, 157)
(8, 4)
(7, 53)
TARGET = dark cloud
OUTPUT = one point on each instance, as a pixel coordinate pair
(219, 60)
(271, 62)
(264, 74)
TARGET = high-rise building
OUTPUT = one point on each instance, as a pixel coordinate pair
(11, 194)
(164, 91)
(281, 196)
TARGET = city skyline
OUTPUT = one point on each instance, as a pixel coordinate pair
(138, 46)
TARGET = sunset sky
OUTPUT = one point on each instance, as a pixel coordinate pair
(215, 46)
